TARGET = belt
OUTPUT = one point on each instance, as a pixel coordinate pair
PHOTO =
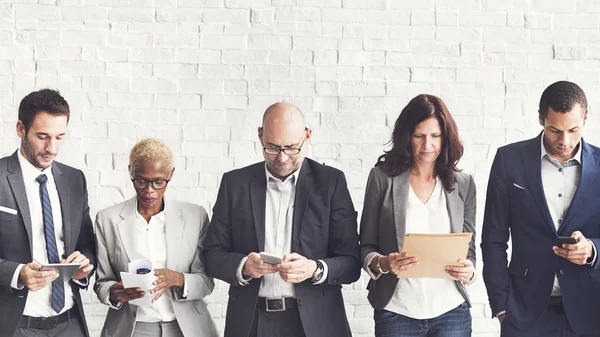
(275, 304)
(47, 323)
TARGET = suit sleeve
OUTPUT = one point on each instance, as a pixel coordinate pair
(86, 242)
(369, 221)
(494, 238)
(105, 275)
(199, 285)
(469, 216)
(7, 271)
(221, 260)
(344, 261)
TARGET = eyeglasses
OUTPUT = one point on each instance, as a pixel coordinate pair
(288, 151)
(157, 184)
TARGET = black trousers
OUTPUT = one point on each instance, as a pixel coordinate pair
(277, 324)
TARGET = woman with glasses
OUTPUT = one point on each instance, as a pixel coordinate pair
(170, 235)
(416, 187)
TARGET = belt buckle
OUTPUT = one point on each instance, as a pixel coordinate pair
(273, 299)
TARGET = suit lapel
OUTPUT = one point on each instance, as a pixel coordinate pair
(62, 187)
(17, 185)
(454, 211)
(400, 187)
(258, 196)
(589, 166)
(303, 191)
(532, 164)
(126, 227)
(174, 230)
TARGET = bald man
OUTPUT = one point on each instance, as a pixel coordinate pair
(295, 209)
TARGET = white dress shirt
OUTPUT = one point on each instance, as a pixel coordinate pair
(560, 181)
(425, 298)
(153, 234)
(279, 214)
(38, 302)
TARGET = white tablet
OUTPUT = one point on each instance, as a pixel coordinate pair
(65, 270)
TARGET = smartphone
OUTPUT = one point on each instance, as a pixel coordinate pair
(269, 258)
(565, 239)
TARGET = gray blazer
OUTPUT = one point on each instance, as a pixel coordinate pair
(186, 226)
(385, 204)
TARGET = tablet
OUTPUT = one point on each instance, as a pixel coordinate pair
(65, 270)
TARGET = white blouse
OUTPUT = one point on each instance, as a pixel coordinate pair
(424, 298)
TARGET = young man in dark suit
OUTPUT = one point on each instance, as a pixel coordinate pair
(294, 208)
(44, 218)
(540, 190)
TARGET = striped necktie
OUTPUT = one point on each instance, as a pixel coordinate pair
(58, 286)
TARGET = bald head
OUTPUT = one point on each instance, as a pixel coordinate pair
(282, 113)
(283, 129)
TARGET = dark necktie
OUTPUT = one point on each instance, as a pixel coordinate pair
(58, 286)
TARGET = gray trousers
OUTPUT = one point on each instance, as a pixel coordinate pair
(159, 329)
(71, 328)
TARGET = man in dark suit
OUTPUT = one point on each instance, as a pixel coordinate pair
(294, 208)
(44, 218)
(539, 190)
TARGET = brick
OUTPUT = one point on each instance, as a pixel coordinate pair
(567, 6)
(576, 21)
(361, 58)
(36, 12)
(269, 72)
(343, 15)
(81, 68)
(446, 18)
(411, 5)
(36, 37)
(153, 86)
(151, 55)
(224, 41)
(225, 15)
(296, 14)
(201, 86)
(506, 34)
(538, 21)
(362, 89)
(78, 13)
(221, 72)
(295, 88)
(198, 56)
(432, 75)
(483, 18)
(435, 48)
(131, 14)
(562, 52)
(247, 3)
(269, 42)
(105, 84)
(178, 15)
(342, 73)
(459, 34)
(69, 38)
(264, 16)
(132, 40)
(200, 3)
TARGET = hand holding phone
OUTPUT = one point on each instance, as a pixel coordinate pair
(270, 258)
(565, 239)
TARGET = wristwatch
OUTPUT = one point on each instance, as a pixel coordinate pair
(318, 274)
(378, 266)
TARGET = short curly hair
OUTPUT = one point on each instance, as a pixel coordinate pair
(562, 96)
(150, 150)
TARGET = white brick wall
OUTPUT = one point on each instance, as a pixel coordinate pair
(199, 73)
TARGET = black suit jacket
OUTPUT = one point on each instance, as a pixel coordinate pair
(324, 227)
(15, 233)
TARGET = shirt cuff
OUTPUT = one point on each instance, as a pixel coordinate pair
(241, 280)
(184, 293)
(115, 306)
(594, 254)
(500, 313)
(367, 263)
(325, 272)
(14, 283)
(83, 282)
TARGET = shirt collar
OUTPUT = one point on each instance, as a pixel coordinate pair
(576, 157)
(159, 216)
(292, 177)
(30, 172)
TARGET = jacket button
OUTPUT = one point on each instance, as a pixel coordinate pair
(562, 271)
(299, 302)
